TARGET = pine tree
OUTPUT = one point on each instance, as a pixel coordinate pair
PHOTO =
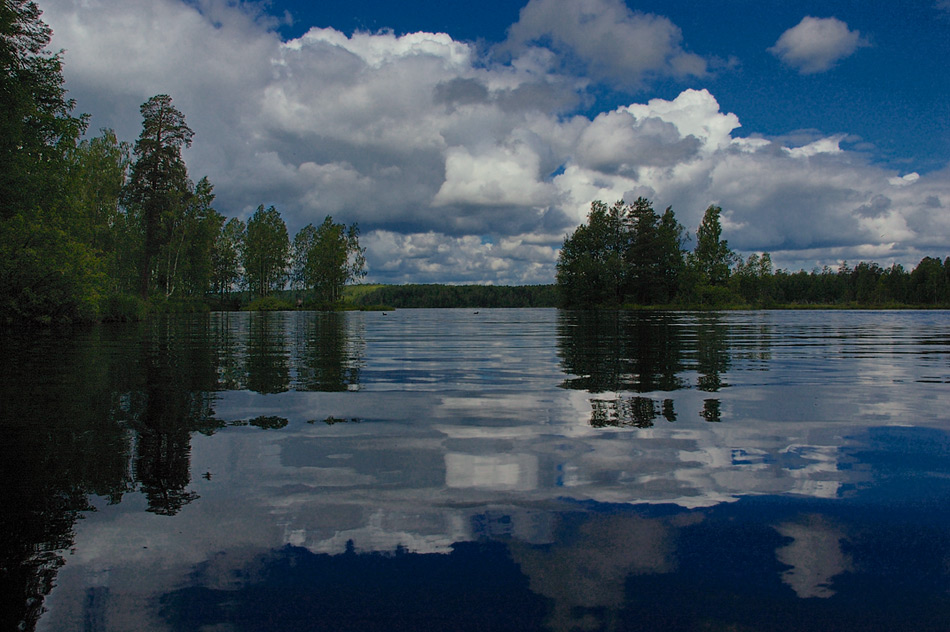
(159, 184)
(643, 252)
(712, 258)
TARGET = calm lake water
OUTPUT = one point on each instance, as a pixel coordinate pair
(490, 470)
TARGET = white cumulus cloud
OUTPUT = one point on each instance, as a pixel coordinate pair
(816, 44)
(612, 42)
(501, 176)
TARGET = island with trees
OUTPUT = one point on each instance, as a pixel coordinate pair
(629, 255)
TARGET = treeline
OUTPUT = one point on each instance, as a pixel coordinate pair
(866, 284)
(628, 254)
(435, 295)
(98, 228)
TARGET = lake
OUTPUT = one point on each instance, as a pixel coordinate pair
(520, 470)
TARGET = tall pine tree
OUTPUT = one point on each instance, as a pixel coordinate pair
(712, 259)
(159, 183)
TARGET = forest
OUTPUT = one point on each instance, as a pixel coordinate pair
(95, 228)
(439, 295)
(628, 255)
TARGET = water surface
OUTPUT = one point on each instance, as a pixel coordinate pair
(463, 470)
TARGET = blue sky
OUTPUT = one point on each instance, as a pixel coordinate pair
(467, 139)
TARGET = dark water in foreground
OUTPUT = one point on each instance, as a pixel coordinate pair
(501, 470)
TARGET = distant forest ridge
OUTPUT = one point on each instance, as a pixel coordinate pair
(438, 295)
(866, 285)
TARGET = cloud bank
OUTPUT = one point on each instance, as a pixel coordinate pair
(462, 165)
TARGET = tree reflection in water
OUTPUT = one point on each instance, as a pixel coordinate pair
(274, 352)
(60, 443)
(621, 351)
(639, 412)
(643, 352)
(117, 413)
(172, 398)
(268, 358)
(712, 351)
(330, 356)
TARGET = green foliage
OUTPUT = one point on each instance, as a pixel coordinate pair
(186, 260)
(376, 308)
(624, 253)
(865, 285)
(268, 304)
(712, 258)
(158, 187)
(300, 257)
(45, 276)
(752, 280)
(591, 266)
(930, 282)
(715, 296)
(642, 253)
(226, 257)
(84, 224)
(48, 271)
(37, 128)
(123, 308)
(436, 295)
(97, 171)
(354, 293)
(326, 270)
(671, 236)
(177, 305)
(326, 258)
(266, 251)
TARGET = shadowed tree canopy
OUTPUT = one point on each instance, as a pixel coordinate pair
(334, 258)
(48, 270)
(624, 253)
(188, 256)
(159, 180)
(37, 128)
(226, 257)
(98, 170)
(299, 257)
(325, 258)
(712, 259)
(266, 252)
(591, 270)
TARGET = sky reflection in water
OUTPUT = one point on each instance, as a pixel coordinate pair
(523, 469)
